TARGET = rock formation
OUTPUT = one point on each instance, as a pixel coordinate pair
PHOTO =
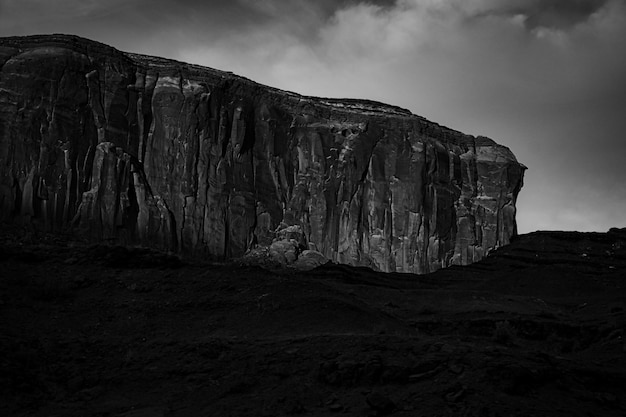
(149, 151)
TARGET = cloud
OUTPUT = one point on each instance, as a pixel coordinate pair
(29, 11)
(557, 14)
(543, 77)
(551, 14)
(462, 39)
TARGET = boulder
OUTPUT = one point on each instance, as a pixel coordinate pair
(285, 252)
(310, 259)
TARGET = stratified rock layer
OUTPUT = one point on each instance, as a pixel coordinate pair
(149, 151)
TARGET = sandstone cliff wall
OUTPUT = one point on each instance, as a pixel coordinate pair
(144, 150)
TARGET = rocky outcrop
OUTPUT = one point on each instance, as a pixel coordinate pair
(150, 151)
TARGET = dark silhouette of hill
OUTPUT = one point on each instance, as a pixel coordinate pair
(536, 328)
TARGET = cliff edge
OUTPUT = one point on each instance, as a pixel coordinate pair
(144, 150)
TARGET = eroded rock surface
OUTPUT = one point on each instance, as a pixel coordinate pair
(150, 151)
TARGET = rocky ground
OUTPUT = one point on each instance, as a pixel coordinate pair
(537, 328)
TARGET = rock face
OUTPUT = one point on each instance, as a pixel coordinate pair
(149, 151)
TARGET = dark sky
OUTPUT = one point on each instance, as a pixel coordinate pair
(547, 78)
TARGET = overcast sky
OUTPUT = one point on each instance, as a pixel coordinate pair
(547, 78)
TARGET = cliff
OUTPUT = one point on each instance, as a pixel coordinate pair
(144, 150)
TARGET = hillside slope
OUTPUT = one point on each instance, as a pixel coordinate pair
(536, 328)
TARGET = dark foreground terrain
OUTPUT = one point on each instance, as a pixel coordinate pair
(537, 328)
